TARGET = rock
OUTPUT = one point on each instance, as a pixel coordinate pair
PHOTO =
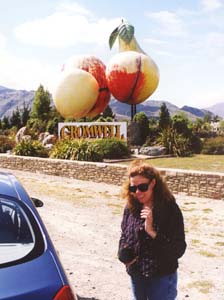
(48, 146)
(20, 134)
(153, 151)
(49, 139)
(26, 138)
(42, 136)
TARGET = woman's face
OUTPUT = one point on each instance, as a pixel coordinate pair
(146, 196)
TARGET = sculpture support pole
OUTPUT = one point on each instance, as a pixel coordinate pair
(133, 111)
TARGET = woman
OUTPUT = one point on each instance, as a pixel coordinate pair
(152, 237)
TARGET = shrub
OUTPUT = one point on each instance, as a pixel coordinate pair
(30, 148)
(213, 145)
(35, 126)
(112, 148)
(196, 144)
(82, 150)
(6, 143)
(174, 142)
(89, 150)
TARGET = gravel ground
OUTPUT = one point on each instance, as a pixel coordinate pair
(83, 219)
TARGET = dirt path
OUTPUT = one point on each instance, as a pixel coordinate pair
(83, 220)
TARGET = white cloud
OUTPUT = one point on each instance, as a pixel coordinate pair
(2, 41)
(154, 41)
(21, 73)
(210, 46)
(70, 25)
(221, 59)
(204, 97)
(215, 46)
(210, 5)
(169, 23)
(73, 8)
(215, 42)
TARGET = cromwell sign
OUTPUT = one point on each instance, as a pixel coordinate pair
(93, 130)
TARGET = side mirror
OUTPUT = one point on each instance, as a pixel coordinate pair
(37, 202)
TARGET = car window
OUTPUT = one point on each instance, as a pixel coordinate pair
(17, 238)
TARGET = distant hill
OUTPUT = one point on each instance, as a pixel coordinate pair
(217, 109)
(152, 109)
(200, 113)
(10, 99)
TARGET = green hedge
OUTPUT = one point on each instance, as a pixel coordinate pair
(112, 148)
(90, 150)
(6, 143)
(83, 150)
(30, 148)
(213, 145)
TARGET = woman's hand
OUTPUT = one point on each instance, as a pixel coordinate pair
(146, 213)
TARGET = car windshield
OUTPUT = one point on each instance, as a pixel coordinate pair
(17, 237)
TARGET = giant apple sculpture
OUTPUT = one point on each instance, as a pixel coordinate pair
(80, 105)
(132, 75)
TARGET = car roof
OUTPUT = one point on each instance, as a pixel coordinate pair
(11, 187)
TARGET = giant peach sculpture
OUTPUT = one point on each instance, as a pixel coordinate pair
(94, 67)
(76, 93)
(132, 75)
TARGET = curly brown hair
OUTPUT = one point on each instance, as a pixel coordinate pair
(161, 191)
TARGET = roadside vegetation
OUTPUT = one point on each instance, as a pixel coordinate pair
(192, 144)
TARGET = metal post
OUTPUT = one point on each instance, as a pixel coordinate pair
(133, 110)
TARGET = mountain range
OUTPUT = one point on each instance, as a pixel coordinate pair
(10, 99)
(152, 109)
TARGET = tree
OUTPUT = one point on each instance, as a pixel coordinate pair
(179, 138)
(15, 120)
(41, 104)
(40, 112)
(108, 112)
(221, 127)
(207, 118)
(25, 114)
(180, 123)
(174, 142)
(106, 116)
(5, 123)
(197, 126)
(142, 120)
(164, 117)
(153, 132)
(52, 124)
(216, 118)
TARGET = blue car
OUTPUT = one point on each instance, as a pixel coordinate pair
(29, 266)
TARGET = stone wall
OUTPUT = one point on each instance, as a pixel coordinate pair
(192, 183)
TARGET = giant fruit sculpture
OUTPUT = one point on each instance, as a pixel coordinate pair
(132, 75)
(82, 90)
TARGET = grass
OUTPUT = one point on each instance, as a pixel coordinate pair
(219, 243)
(195, 242)
(207, 253)
(203, 286)
(198, 162)
(117, 208)
(207, 210)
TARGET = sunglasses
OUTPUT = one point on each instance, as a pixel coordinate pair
(143, 187)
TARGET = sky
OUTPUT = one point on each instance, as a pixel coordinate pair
(184, 38)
